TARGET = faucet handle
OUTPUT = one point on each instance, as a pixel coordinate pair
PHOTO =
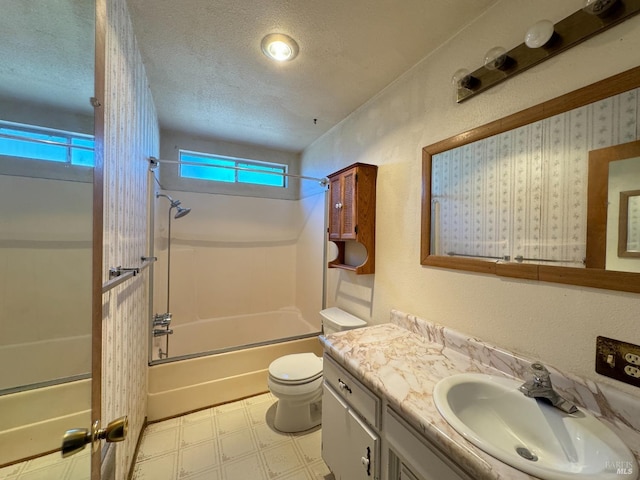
(540, 373)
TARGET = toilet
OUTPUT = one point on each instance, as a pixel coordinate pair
(296, 379)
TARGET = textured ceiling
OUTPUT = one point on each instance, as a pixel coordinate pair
(207, 72)
(209, 77)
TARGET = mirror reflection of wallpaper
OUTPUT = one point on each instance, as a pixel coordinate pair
(633, 231)
(522, 194)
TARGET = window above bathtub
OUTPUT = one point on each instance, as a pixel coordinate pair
(41, 152)
(218, 168)
(214, 166)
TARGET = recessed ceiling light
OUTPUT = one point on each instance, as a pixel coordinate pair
(279, 47)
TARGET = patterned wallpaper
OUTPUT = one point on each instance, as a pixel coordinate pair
(523, 192)
(633, 233)
(131, 136)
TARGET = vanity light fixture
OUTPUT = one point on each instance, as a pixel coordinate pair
(600, 8)
(542, 41)
(279, 47)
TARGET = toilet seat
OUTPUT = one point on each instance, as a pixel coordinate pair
(296, 369)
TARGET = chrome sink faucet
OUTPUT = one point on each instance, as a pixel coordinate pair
(540, 387)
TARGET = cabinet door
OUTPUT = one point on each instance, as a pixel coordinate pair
(349, 447)
(349, 206)
(335, 208)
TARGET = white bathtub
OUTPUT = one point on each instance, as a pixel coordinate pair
(45, 361)
(225, 333)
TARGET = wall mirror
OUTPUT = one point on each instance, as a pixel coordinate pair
(511, 198)
(629, 224)
(614, 195)
(46, 212)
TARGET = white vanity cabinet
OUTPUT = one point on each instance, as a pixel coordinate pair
(350, 425)
(413, 457)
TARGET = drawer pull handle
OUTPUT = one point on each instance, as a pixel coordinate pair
(343, 386)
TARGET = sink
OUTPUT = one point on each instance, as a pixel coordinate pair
(529, 434)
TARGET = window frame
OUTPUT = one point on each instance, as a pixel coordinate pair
(239, 166)
(68, 145)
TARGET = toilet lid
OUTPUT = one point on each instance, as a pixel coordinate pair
(296, 368)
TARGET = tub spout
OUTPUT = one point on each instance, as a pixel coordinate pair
(160, 332)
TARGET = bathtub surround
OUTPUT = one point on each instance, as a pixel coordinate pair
(404, 359)
(241, 258)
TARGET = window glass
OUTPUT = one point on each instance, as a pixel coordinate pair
(231, 170)
(37, 143)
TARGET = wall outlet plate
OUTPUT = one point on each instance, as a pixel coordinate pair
(619, 360)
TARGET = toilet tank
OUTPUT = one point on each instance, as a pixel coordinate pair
(336, 320)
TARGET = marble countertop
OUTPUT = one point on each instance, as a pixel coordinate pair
(403, 360)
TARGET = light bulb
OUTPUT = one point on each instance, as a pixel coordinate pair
(539, 34)
(279, 47)
(601, 8)
(496, 59)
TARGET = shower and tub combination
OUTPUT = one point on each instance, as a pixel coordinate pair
(162, 321)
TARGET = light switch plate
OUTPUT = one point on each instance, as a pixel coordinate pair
(617, 359)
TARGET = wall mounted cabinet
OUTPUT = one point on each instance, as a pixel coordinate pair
(352, 216)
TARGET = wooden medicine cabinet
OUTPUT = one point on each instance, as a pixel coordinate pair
(352, 215)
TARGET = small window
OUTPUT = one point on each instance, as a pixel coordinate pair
(217, 168)
(39, 143)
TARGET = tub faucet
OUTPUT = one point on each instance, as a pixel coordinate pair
(162, 319)
(160, 333)
(540, 387)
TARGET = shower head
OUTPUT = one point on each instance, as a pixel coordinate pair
(181, 212)
(175, 204)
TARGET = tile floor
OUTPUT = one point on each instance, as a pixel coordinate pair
(235, 441)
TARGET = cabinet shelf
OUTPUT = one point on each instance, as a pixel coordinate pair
(352, 214)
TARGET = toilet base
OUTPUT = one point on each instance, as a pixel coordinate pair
(297, 418)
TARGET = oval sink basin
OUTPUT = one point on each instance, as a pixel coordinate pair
(529, 434)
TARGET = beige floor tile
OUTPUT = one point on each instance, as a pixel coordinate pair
(281, 460)
(207, 475)
(232, 421)
(236, 445)
(247, 468)
(198, 458)
(302, 474)
(158, 468)
(158, 443)
(320, 471)
(266, 436)
(310, 446)
(196, 432)
(196, 417)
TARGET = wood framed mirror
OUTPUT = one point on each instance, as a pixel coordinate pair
(628, 231)
(505, 259)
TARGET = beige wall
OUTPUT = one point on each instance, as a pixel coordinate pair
(557, 324)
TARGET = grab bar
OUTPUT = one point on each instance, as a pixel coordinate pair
(118, 275)
(454, 254)
(520, 259)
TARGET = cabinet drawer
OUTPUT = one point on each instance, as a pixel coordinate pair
(420, 459)
(355, 393)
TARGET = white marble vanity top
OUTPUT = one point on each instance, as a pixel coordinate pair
(403, 360)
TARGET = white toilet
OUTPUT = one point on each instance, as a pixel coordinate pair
(296, 379)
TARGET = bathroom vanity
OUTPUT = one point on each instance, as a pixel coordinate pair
(380, 421)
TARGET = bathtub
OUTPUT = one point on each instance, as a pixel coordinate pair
(233, 332)
(182, 386)
(45, 361)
